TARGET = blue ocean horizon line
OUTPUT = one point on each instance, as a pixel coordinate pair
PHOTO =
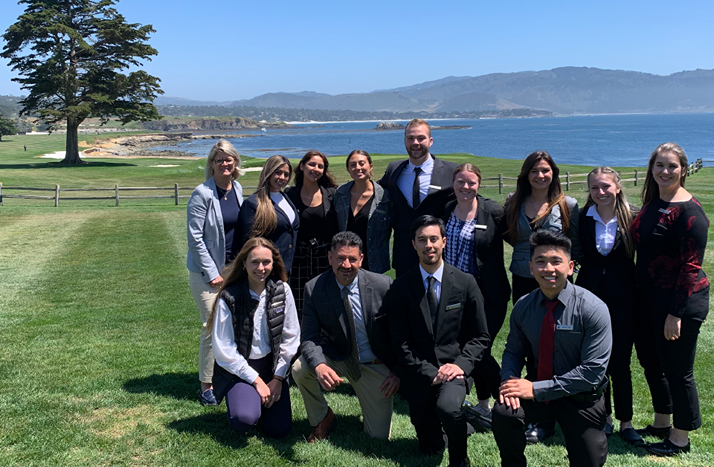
(586, 140)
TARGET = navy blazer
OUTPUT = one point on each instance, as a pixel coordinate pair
(461, 334)
(283, 237)
(488, 251)
(440, 192)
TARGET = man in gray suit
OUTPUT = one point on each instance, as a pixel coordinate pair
(345, 334)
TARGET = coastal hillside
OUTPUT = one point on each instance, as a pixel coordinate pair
(565, 91)
(209, 124)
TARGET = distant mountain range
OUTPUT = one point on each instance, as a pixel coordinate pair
(567, 90)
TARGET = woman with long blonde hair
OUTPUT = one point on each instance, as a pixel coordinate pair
(608, 270)
(256, 334)
(269, 213)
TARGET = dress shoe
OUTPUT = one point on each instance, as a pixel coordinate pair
(667, 448)
(536, 434)
(609, 429)
(631, 437)
(322, 430)
(660, 433)
(207, 398)
(479, 419)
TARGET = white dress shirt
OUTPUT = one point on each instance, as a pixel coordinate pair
(405, 181)
(604, 232)
(437, 283)
(279, 199)
(225, 350)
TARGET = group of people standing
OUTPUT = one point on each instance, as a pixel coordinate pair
(290, 282)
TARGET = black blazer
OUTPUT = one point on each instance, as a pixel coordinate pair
(324, 323)
(283, 237)
(440, 192)
(328, 194)
(488, 250)
(461, 334)
(616, 268)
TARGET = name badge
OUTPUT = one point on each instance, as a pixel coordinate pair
(564, 327)
(480, 227)
(454, 307)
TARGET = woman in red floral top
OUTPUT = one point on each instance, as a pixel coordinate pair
(670, 234)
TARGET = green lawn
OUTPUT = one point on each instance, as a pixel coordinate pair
(98, 358)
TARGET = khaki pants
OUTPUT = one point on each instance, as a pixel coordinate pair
(204, 295)
(376, 409)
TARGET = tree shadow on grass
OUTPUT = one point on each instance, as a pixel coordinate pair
(180, 386)
(59, 165)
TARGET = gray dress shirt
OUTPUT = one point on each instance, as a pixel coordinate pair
(582, 346)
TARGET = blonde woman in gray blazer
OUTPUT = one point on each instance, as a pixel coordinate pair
(212, 220)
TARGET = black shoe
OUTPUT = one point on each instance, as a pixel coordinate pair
(631, 437)
(478, 419)
(609, 429)
(536, 434)
(206, 398)
(667, 448)
(649, 430)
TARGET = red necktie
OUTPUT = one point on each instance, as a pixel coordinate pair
(545, 346)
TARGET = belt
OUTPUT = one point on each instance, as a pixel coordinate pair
(588, 396)
(373, 362)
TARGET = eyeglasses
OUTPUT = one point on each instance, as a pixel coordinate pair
(223, 161)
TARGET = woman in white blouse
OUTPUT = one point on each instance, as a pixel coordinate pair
(255, 336)
(608, 270)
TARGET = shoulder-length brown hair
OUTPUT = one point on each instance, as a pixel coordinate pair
(235, 272)
(266, 219)
(523, 190)
(326, 181)
(650, 190)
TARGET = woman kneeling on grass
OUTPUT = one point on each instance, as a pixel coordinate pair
(255, 336)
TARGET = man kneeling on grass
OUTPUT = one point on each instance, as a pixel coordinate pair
(568, 330)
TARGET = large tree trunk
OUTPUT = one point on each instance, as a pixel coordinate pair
(72, 147)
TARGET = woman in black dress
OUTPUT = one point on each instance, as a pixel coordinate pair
(312, 196)
(670, 234)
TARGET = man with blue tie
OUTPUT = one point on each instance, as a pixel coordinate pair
(419, 185)
(438, 329)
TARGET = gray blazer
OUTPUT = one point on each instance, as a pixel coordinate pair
(553, 221)
(324, 322)
(378, 224)
(206, 238)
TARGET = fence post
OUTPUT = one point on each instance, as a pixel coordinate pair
(116, 194)
(567, 181)
(176, 192)
(0, 193)
(500, 183)
(636, 177)
(57, 191)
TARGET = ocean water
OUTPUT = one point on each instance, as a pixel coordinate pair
(616, 140)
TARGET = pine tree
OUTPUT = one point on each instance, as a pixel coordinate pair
(73, 57)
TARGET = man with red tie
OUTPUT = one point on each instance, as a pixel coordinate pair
(568, 330)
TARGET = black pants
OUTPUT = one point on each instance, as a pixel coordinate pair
(486, 374)
(583, 425)
(623, 318)
(669, 369)
(442, 409)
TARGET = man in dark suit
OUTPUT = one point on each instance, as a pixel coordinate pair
(345, 333)
(420, 185)
(438, 330)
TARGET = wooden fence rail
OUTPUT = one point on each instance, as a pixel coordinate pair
(566, 180)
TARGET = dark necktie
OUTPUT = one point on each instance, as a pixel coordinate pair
(352, 363)
(432, 301)
(416, 188)
(547, 338)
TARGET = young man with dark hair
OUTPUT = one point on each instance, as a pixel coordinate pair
(438, 329)
(568, 330)
(419, 185)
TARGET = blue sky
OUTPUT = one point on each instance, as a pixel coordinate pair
(226, 50)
